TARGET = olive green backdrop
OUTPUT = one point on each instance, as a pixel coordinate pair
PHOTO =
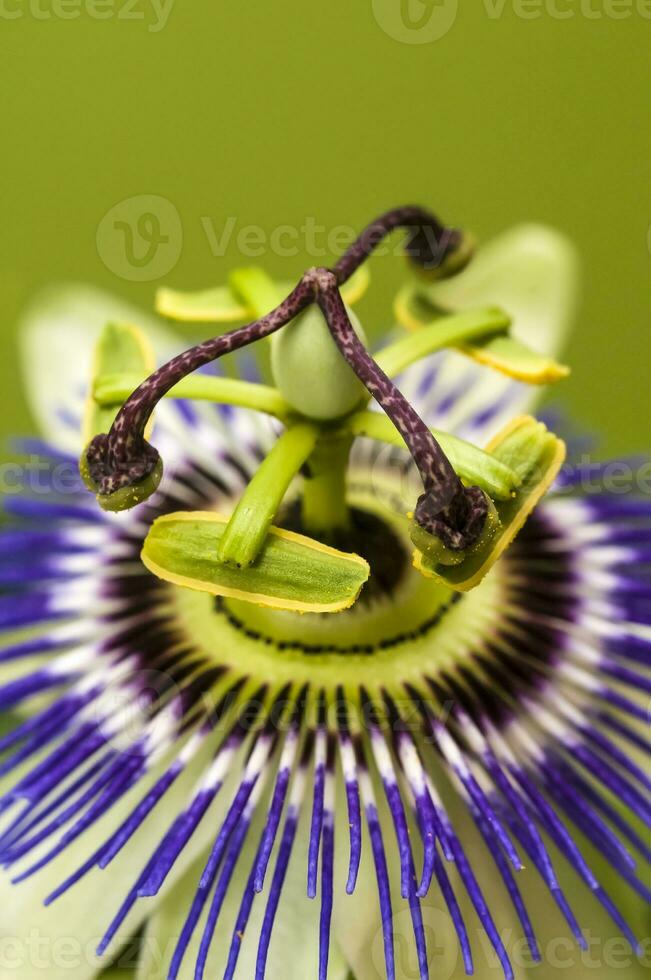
(271, 113)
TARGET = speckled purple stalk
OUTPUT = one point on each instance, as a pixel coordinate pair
(428, 245)
(124, 457)
(447, 509)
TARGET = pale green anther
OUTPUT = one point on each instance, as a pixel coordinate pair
(495, 349)
(536, 455)
(531, 272)
(224, 304)
(113, 389)
(250, 521)
(310, 371)
(292, 572)
(514, 359)
(475, 466)
(217, 305)
(447, 331)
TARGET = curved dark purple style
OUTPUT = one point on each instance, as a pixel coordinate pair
(446, 509)
(428, 245)
(124, 456)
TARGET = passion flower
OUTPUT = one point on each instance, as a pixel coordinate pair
(331, 652)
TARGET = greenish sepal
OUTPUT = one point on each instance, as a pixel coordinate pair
(247, 529)
(120, 348)
(292, 572)
(223, 304)
(434, 552)
(493, 348)
(112, 388)
(309, 370)
(536, 455)
(453, 263)
(126, 497)
(433, 332)
(475, 466)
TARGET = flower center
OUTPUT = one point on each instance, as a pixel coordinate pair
(406, 624)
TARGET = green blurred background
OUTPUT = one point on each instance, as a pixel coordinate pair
(270, 113)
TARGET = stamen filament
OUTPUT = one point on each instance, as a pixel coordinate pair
(134, 414)
(448, 331)
(113, 388)
(255, 511)
(474, 465)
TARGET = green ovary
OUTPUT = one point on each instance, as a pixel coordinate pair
(309, 370)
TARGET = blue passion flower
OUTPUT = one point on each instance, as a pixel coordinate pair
(340, 690)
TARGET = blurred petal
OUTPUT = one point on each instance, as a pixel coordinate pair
(58, 332)
(531, 272)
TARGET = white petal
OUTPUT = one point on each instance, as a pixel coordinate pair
(531, 271)
(57, 332)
